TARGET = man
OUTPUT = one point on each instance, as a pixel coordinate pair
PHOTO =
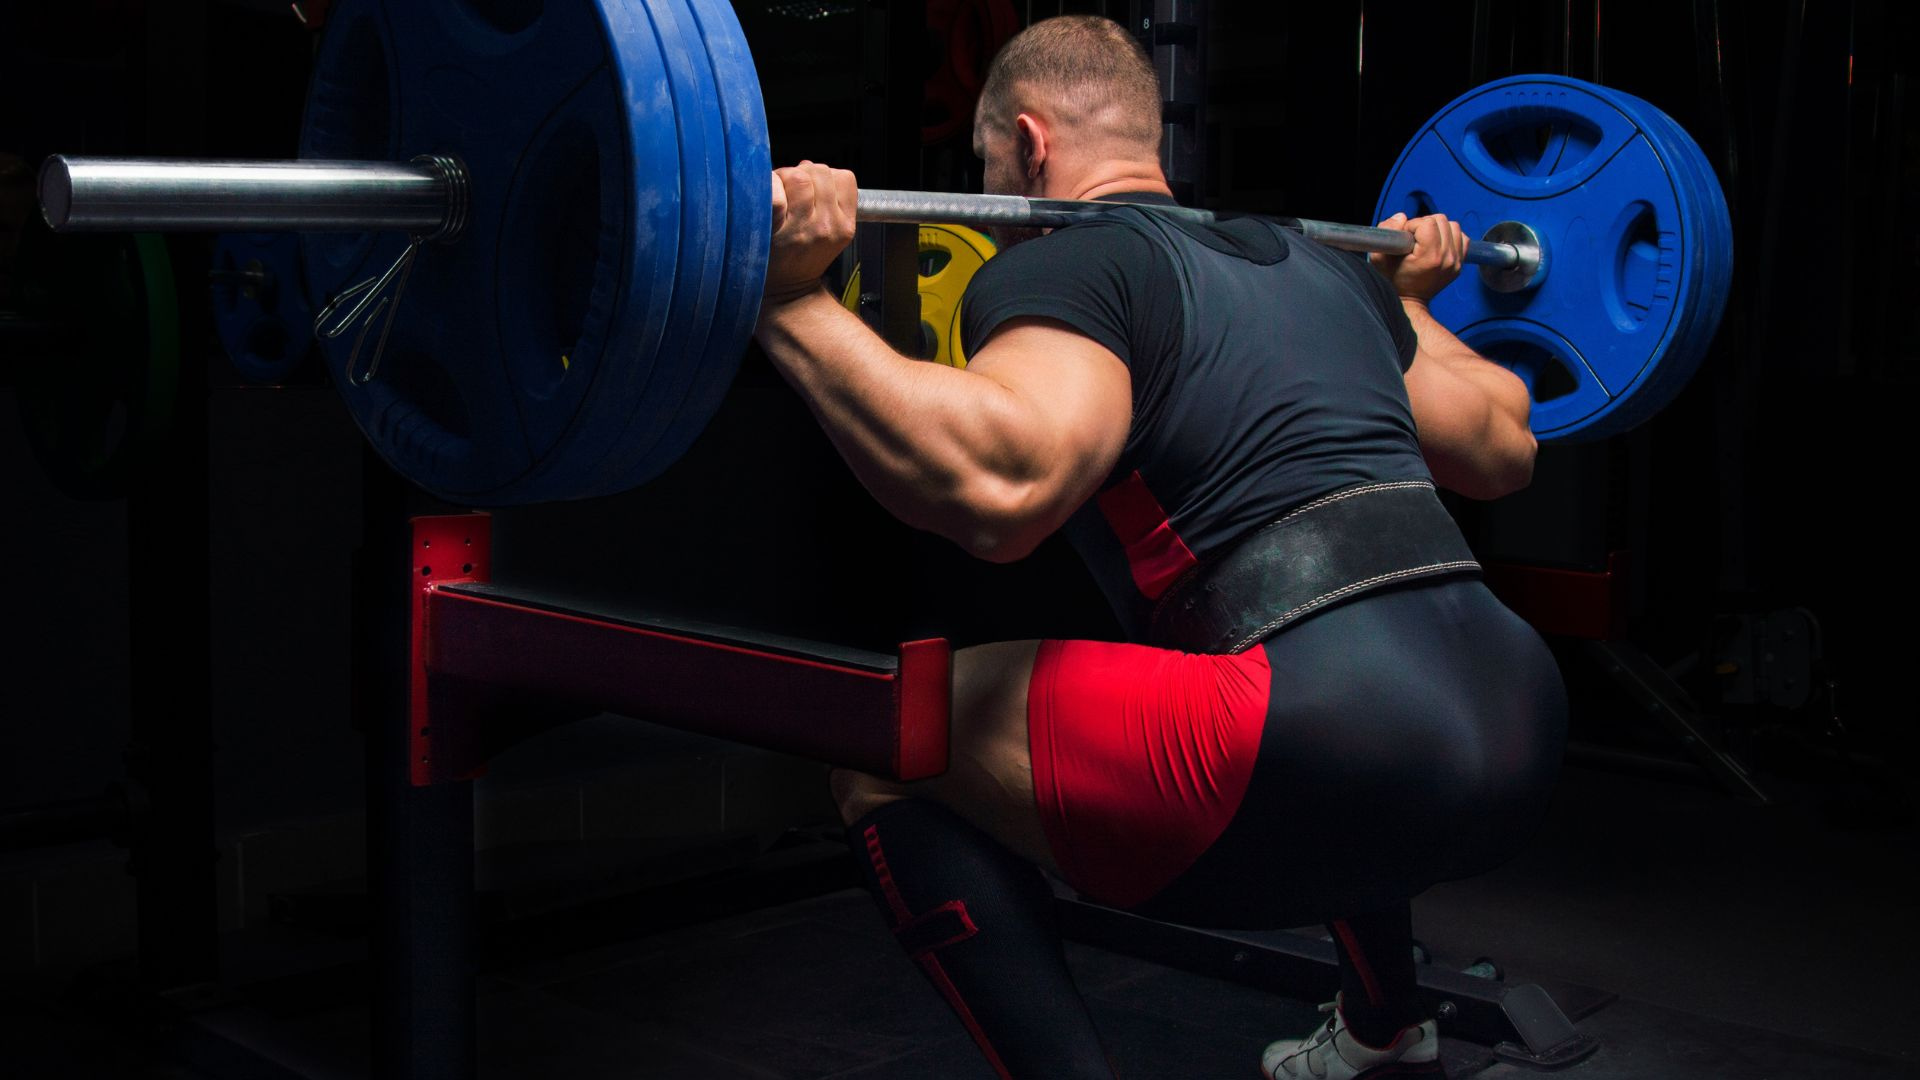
(1319, 712)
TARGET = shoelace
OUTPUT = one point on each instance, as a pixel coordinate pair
(1320, 1038)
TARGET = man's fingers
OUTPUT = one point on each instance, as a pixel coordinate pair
(1425, 234)
(1445, 248)
(800, 197)
(1441, 239)
(843, 195)
(779, 202)
(815, 201)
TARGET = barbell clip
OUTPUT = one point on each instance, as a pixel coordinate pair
(372, 292)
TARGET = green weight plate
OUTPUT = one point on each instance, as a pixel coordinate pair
(96, 410)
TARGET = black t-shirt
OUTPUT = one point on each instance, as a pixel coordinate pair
(1267, 371)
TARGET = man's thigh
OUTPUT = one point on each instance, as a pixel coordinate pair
(989, 778)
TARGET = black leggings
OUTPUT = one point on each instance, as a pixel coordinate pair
(1413, 736)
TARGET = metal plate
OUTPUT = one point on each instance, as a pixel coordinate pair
(518, 353)
(260, 310)
(1636, 234)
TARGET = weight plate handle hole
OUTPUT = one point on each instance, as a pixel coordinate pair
(1548, 377)
(1533, 141)
(506, 16)
(1640, 277)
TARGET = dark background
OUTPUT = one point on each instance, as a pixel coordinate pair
(1778, 479)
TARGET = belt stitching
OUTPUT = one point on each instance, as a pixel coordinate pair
(1324, 500)
(1325, 598)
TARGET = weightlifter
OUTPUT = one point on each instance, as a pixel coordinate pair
(1319, 711)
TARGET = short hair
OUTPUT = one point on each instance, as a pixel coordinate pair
(1091, 68)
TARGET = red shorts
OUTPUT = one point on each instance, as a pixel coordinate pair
(1140, 758)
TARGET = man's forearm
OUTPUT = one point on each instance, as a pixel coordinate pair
(925, 439)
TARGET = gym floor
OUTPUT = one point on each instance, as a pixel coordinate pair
(1743, 942)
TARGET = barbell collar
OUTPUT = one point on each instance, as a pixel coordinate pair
(1523, 273)
(425, 197)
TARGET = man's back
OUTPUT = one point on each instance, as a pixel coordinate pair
(1266, 372)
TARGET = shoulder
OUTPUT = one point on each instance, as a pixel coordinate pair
(1100, 257)
(1103, 278)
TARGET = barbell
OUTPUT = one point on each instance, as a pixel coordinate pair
(120, 194)
(537, 234)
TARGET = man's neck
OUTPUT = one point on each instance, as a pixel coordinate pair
(1107, 178)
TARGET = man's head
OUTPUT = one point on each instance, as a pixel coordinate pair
(1068, 99)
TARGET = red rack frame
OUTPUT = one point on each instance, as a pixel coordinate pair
(476, 647)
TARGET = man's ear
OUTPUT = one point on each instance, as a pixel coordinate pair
(1032, 140)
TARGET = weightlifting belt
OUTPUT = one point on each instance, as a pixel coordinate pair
(1330, 551)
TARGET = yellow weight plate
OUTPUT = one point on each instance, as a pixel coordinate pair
(949, 257)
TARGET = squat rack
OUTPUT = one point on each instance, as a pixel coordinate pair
(489, 665)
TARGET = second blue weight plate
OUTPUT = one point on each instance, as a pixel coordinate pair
(1616, 200)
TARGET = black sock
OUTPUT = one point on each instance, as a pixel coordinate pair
(1378, 994)
(979, 922)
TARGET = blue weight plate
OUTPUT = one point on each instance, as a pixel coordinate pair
(1682, 358)
(749, 167)
(351, 105)
(1713, 252)
(749, 229)
(518, 351)
(680, 367)
(260, 310)
(1719, 244)
(1619, 217)
(1703, 314)
(1707, 251)
(1539, 150)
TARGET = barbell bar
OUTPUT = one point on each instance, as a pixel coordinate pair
(602, 173)
(83, 194)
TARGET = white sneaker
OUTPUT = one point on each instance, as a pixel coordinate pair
(1332, 1053)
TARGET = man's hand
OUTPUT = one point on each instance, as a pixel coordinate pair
(813, 218)
(1439, 250)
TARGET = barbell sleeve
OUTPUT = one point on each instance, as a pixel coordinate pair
(427, 197)
(164, 195)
